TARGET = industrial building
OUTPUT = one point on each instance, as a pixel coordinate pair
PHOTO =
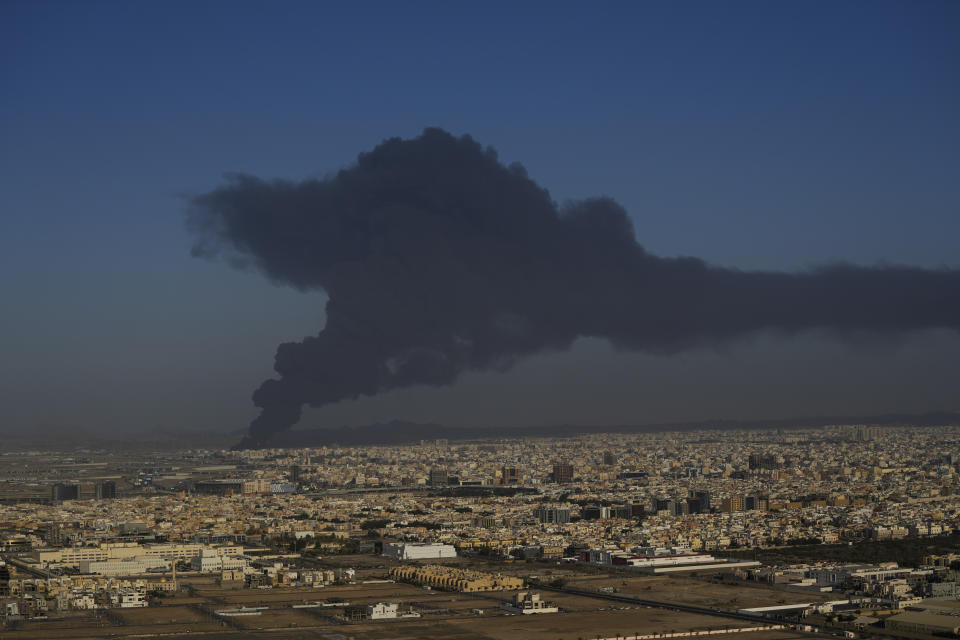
(924, 622)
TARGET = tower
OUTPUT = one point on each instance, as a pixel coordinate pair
(562, 472)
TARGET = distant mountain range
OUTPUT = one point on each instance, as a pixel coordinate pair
(401, 432)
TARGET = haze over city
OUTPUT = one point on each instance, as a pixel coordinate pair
(480, 321)
(753, 136)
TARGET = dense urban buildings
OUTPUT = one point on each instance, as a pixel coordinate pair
(865, 518)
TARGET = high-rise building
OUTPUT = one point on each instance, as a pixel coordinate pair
(733, 503)
(758, 462)
(867, 433)
(595, 512)
(562, 472)
(106, 490)
(54, 535)
(510, 475)
(704, 498)
(295, 473)
(552, 515)
(629, 510)
(62, 491)
(5, 576)
(662, 504)
(609, 459)
(438, 477)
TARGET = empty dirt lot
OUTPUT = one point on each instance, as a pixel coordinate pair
(446, 615)
(697, 591)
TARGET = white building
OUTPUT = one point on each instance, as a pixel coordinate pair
(130, 598)
(846, 574)
(130, 567)
(645, 557)
(210, 561)
(528, 603)
(382, 610)
(83, 601)
(418, 550)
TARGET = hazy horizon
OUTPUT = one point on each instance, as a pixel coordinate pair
(723, 134)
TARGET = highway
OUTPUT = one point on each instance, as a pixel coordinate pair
(26, 568)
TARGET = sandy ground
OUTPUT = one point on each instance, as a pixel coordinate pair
(446, 615)
(698, 591)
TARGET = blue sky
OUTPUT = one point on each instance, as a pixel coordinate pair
(771, 135)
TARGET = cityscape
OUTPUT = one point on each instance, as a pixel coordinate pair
(539, 320)
(843, 529)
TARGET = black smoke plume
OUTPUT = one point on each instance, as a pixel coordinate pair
(437, 259)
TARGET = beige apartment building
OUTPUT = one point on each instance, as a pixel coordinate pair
(456, 579)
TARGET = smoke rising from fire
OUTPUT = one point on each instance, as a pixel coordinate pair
(437, 259)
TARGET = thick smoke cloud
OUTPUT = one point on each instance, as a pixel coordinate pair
(438, 259)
